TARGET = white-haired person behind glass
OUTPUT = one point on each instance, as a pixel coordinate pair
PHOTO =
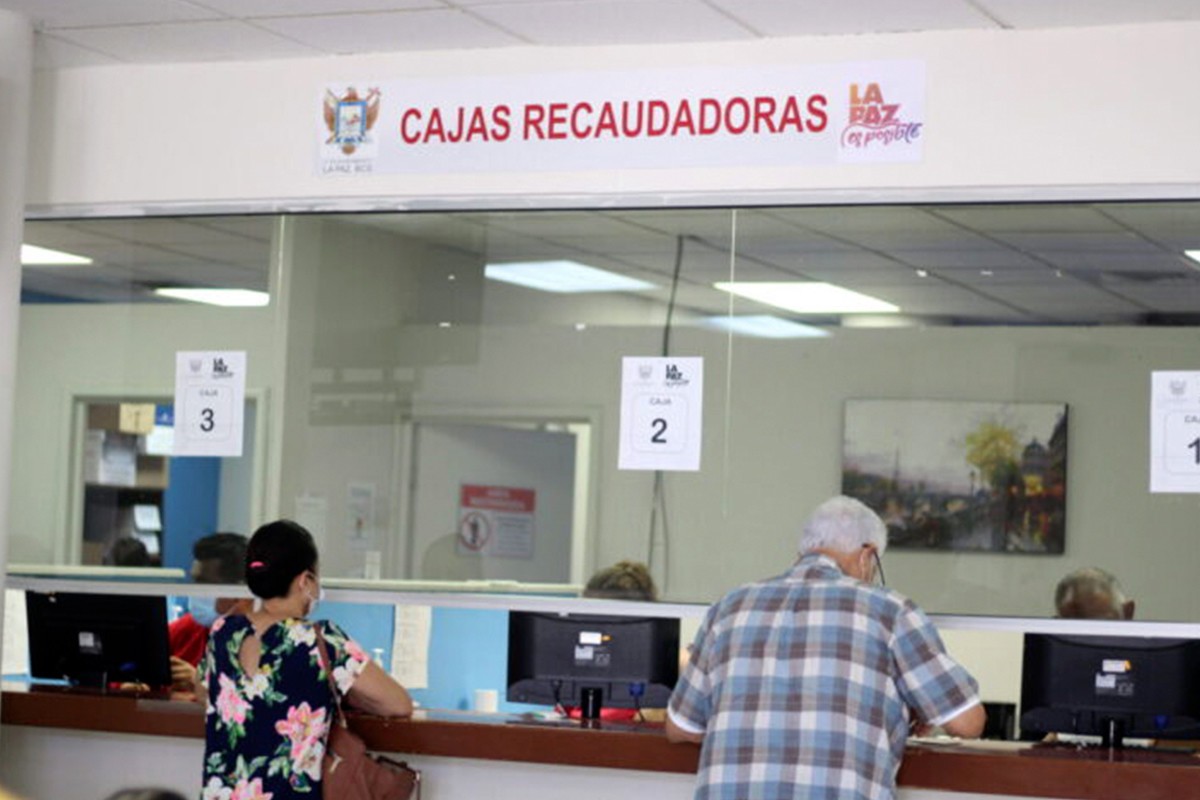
(1091, 593)
(808, 683)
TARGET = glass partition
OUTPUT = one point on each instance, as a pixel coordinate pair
(438, 395)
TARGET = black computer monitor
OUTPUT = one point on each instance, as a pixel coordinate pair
(1111, 687)
(98, 639)
(553, 658)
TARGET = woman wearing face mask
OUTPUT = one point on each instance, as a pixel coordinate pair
(269, 706)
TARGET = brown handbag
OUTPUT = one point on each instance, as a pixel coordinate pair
(348, 771)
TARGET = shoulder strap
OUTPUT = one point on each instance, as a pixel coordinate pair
(327, 667)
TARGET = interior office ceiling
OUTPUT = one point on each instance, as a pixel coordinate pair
(1062, 263)
(75, 33)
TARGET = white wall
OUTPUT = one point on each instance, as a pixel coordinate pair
(33, 760)
(82, 349)
(739, 520)
(1006, 111)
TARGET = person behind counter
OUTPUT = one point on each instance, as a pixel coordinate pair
(807, 684)
(1091, 593)
(218, 558)
(625, 580)
(269, 706)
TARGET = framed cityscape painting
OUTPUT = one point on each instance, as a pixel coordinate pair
(948, 475)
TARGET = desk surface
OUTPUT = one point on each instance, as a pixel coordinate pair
(1007, 768)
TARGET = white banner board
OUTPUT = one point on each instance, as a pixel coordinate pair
(662, 412)
(819, 114)
(210, 403)
(1175, 432)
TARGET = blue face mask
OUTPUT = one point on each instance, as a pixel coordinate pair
(203, 610)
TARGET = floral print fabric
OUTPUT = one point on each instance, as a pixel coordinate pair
(266, 732)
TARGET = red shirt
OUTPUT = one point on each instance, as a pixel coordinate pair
(606, 713)
(187, 639)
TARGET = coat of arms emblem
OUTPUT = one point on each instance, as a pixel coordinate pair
(350, 117)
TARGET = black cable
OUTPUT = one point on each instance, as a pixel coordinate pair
(658, 499)
(666, 343)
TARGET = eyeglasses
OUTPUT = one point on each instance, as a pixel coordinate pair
(878, 566)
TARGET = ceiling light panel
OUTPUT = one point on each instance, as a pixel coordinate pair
(32, 255)
(563, 277)
(809, 297)
(230, 298)
(766, 326)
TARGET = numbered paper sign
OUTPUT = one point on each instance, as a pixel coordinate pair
(661, 413)
(1175, 432)
(210, 398)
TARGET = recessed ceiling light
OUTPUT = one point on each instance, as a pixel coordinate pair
(563, 277)
(32, 255)
(766, 326)
(1194, 255)
(922, 273)
(216, 297)
(810, 297)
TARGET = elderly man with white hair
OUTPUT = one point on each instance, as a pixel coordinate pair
(806, 685)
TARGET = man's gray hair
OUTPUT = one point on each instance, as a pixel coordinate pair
(842, 524)
(1086, 582)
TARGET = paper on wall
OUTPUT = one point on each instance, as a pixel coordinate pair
(146, 517)
(1175, 431)
(16, 634)
(312, 512)
(410, 645)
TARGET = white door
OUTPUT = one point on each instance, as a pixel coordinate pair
(492, 502)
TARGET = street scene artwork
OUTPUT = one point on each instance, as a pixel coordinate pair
(948, 475)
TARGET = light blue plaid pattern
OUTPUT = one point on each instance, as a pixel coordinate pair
(802, 685)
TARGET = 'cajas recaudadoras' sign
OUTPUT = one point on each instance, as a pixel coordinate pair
(844, 113)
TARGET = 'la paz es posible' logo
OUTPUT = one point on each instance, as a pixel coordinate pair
(877, 126)
(349, 118)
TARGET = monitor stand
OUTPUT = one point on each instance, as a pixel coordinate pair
(1113, 735)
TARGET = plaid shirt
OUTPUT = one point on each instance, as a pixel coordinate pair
(802, 686)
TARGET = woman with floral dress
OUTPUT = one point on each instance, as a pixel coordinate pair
(269, 705)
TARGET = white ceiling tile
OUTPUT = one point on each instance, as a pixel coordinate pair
(1052, 244)
(163, 231)
(976, 258)
(246, 254)
(190, 41)
(1169, 299)
(1028, 218)
(1066, 301)
(402, 30)
(849, 261)
(50, 52)
(251, 227)
(88, 13)
(819, 17)
(1080, 13)
(939, 300)
(858, 278)
(992, 276)
(1084, 261)
(65, 235)
(588, 22)
(889, 219)
(250, 9)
